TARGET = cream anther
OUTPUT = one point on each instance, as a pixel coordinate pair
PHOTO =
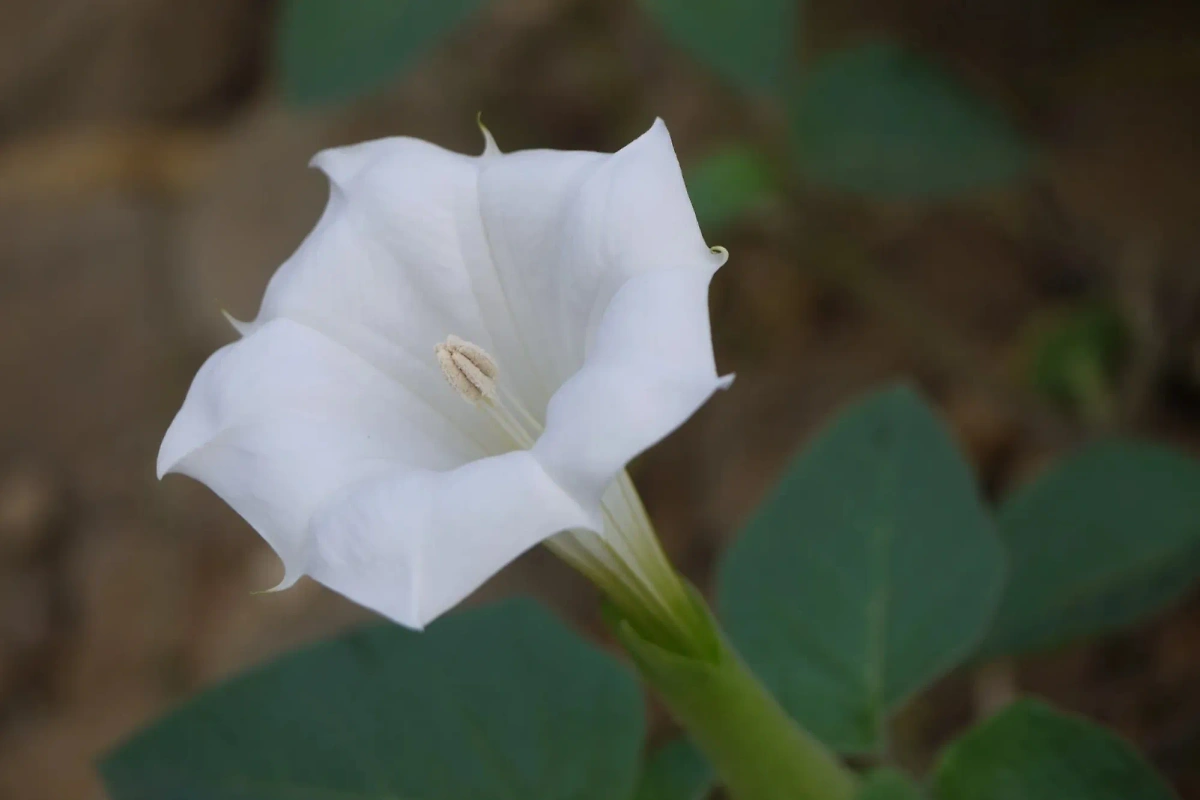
(468, 368)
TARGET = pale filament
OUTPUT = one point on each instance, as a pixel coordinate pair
(631, 548)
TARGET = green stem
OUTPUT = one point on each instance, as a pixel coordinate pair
(757, 749)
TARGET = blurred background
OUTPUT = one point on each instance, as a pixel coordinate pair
(996, 200)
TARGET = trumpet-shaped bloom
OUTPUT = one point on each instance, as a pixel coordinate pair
(456, 364)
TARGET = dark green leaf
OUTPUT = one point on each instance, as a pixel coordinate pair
(889, 784)
(1032, 752)
(335, 50)
(491, 704)
(872, 569)
(729, 184)
(880, 121)
(1104, 539)
(676, 771)
(751, 43)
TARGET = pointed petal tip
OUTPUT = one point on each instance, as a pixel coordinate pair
(725, 381)
(657, 130)
(333, 166)
(290, 576)
(185, 435)
(490, 148)
(655, 139)
(274, 589)
(342, 164)
(169, 454)
(410, 616)
(320, 160)
(243, 328)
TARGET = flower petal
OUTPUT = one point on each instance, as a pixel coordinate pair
(276, 471)
(285, 418)
(649, 368)
(387, 253)
(411, 544)
(567, 229)
(518, 253)
(394, 264)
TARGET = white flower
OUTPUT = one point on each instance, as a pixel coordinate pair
(563, 295)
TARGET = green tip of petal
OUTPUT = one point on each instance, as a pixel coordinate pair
(489, 142)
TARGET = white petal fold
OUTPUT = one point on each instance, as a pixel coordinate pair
(566, 230)
(285, 418)
(649, 368)
(412, 544)
(388, 269)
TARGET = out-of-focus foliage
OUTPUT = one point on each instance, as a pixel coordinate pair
(873, 119)
(889, 784)
(1103, 539)
(871, 570)
(1074, 356)
(878, 120)
(333, 51)
(491, 704)
(728, 184)
(676, 771)
(873, 567)
(750, 43)
(1032, 752)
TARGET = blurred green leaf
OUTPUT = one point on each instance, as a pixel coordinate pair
(499, 702)
(676, 771)
(1032, 752)
(1104, 539)
(889, 784)
(1075, 356)
(878, 120)
(750, 43)
(332, 51)
(728, 184)
(871, 569)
